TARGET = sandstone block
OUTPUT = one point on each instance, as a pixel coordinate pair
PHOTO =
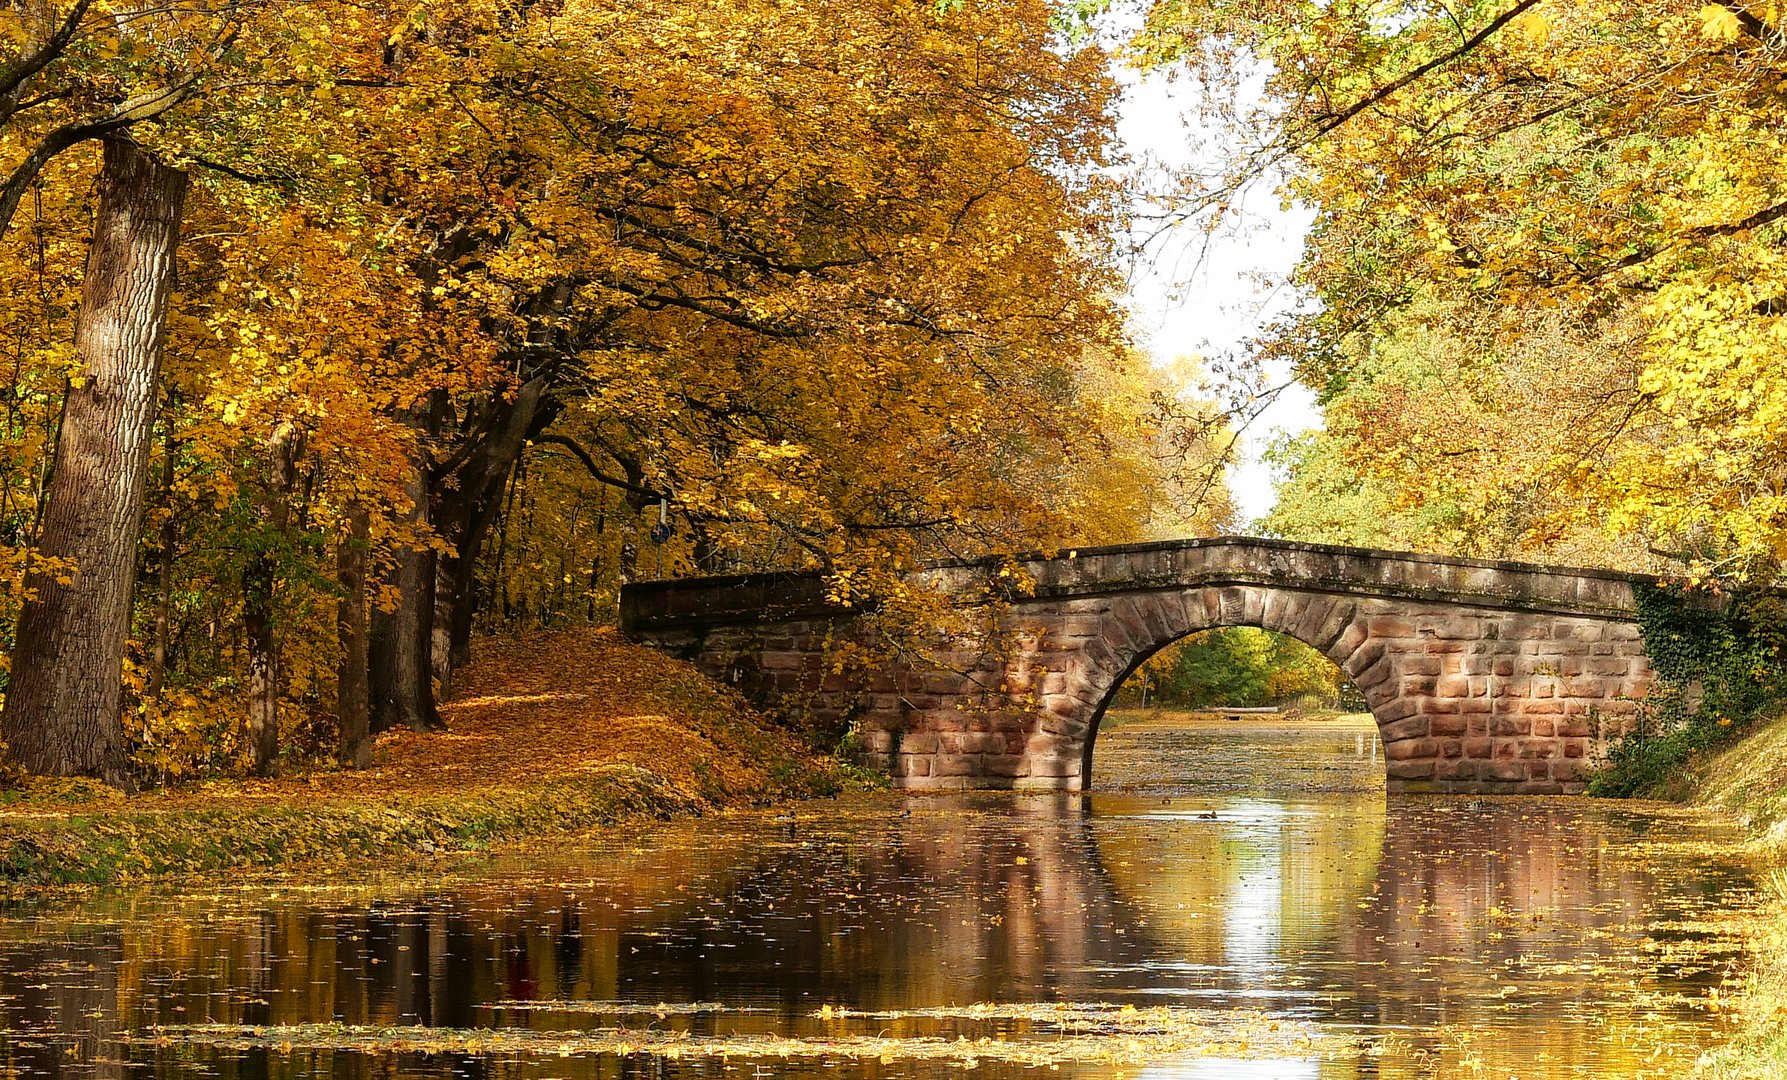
(1412, 727)
(1352, 635)
(1412, 769)
(1453, 686)
(1390, 626)
(1575, 727)
(1456, 769)
(962, 743)
(1510, 725)
(1448, 725)
(1307, 620)
(918, 742)
(1007, 765)
(1339, 619)
(1584, 688)
(956, 765)
(1375, 678)
(1408, 748)
(1504, 770)
(1458, 629)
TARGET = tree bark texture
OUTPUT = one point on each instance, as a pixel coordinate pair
(258, 582)
(353, 702)
(63, 704)
(402, 675)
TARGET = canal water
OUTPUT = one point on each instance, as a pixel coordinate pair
(1237, 899)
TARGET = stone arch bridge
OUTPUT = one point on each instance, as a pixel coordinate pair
(1484, 677)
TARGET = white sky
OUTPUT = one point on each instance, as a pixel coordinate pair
(1201, 296)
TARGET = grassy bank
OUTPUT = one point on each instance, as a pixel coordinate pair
(551, 733)
(1749, 782)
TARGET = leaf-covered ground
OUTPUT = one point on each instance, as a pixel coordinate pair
(1748, 780)
(549, 732)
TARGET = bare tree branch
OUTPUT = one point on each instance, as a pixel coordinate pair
(595, 470)
(1330, 123)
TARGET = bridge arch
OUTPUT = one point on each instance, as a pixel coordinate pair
(1484, 677)
(1132, 633)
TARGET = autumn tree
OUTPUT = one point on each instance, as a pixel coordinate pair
(832, 283)
(62, 703)
(77, 74)
(1543, 203)
(471, 294)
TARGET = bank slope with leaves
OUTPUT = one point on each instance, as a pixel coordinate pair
(555, 732)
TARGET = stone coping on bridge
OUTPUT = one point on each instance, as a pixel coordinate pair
(745, 599)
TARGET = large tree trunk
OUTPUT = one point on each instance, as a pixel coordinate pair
(402, 639)
(353, 700)
(62, 713)
(258, 581)
(468, 502)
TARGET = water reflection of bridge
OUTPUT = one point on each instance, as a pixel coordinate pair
(1343, 908)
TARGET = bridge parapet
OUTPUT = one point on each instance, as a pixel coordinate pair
(1483, 676)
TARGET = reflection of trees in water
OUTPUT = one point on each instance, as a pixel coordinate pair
(1530, 919)
(1184, 754)
(867, 911)
(1415, 914)
(59, 999)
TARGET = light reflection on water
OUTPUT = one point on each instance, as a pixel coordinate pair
(1536, 937)
(1216, 1068)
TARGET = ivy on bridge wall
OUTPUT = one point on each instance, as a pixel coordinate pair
(1719, 663)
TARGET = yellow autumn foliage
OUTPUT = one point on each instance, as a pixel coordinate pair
(1550, 291)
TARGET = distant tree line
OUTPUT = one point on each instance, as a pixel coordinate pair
(1240, 666)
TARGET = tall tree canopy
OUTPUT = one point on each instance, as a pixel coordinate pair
(1546, 277)
(471, 296)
